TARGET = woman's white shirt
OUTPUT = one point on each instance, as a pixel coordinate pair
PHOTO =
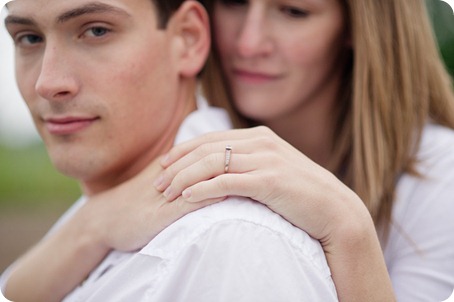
(420, 251)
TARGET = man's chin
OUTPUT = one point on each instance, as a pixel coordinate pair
(73, 163)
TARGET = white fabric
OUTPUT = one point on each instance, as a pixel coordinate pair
(420, 251)
(419, 254)
(237, 250)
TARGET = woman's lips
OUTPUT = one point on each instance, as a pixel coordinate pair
(68, 125)
(252, 77)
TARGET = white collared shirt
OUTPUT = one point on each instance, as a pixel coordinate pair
(236, 250)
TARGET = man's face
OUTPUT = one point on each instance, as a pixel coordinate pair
(100, 82)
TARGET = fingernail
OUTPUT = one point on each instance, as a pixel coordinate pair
(158, 182)
(187, 194)
(167, 192)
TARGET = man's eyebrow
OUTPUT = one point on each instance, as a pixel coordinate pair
(90, 8)
(11, 19)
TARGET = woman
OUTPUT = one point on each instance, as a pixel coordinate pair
(341, 141)
(366, 98)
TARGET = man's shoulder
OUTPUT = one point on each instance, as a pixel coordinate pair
(238, 250)
(235, 216)
(234, 210)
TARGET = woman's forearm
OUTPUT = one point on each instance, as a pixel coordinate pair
(357, 264)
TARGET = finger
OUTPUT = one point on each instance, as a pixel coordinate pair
(183, 207)
(207, 168)
(203, 152)
(221, 187)
(182, 149)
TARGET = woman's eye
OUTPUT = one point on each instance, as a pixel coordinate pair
(234, 2)
(294, 12)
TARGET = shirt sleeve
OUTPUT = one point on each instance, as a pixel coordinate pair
(3, 279)
(241, 261)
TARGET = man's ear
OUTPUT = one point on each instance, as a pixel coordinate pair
(191, 27)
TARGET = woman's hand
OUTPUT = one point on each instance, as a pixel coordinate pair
(127, 217)
(265, 168)
(269, 170)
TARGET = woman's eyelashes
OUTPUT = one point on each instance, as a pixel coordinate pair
(233, 2)
(294, 12)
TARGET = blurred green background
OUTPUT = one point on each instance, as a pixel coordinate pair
(28, 180)
(33, 194)
(443, 23)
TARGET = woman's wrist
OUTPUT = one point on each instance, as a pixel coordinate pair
(353, 250)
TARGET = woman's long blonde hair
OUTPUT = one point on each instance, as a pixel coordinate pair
(396, 84)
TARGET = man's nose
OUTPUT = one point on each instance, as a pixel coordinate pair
(56, 80)
(254, 38)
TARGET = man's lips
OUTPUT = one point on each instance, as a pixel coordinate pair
(68, 125)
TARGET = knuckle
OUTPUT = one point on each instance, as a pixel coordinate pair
(180, 181)
(223, 184)
(207, 137)
(264, 130)
(177, 181)
(169, 173)
(210, 161)
(203, 150)
(267, 142)
(175, 152)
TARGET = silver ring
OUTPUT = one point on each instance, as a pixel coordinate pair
(228, 154)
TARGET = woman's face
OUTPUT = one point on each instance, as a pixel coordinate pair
(280, 57)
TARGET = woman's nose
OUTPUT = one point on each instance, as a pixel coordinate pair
(254, 39)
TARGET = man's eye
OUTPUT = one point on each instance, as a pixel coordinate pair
(294, 12)
(27, 40)
(97, 31)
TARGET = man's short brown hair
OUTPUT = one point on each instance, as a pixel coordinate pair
(166, 8)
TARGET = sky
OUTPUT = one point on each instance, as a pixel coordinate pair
(16, 127)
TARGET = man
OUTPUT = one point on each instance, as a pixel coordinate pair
(111, 86)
